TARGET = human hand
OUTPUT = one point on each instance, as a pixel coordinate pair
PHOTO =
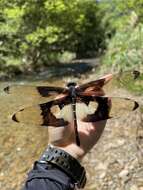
(89, 134)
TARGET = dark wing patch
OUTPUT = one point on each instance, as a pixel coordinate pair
(98, 109)
(46, 91)
(101, 108)
(122, 106)
(94, 88)
(130, 80)
(41, 114)
(135, 106)
(49, 117)
(39, 94)
(136, 74)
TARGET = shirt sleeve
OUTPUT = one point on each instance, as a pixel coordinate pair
(42, 177)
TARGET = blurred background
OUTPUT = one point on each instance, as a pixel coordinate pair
(57, 41)
(35, 35)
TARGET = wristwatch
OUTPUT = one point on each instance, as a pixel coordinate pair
(66, 163)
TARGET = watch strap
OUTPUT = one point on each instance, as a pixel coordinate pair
(66, 163)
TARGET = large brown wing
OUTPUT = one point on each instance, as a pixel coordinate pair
(94, 88)
(35, 94)
(92, 109)
(54, 113)
(130, 80)
(88, 109)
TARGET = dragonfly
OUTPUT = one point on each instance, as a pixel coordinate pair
(89, 102)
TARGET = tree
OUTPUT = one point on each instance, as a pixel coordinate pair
(36, 31)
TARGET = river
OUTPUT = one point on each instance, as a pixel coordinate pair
(115, 163)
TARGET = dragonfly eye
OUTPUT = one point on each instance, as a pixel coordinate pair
(71, 84)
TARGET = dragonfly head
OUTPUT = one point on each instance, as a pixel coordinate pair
(71, 84)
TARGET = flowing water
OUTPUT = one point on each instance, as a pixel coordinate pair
(115, 163)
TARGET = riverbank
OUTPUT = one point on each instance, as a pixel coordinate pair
(74, 68)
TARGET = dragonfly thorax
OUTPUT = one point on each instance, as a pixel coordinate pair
(72, 89)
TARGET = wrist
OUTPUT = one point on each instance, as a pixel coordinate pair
(65, 162)
(74, 150)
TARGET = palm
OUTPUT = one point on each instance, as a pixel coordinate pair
(89, 134)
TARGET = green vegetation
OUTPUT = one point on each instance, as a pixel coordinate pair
(124, 34)
(125, 49)
(132, 84)
(39, 33)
